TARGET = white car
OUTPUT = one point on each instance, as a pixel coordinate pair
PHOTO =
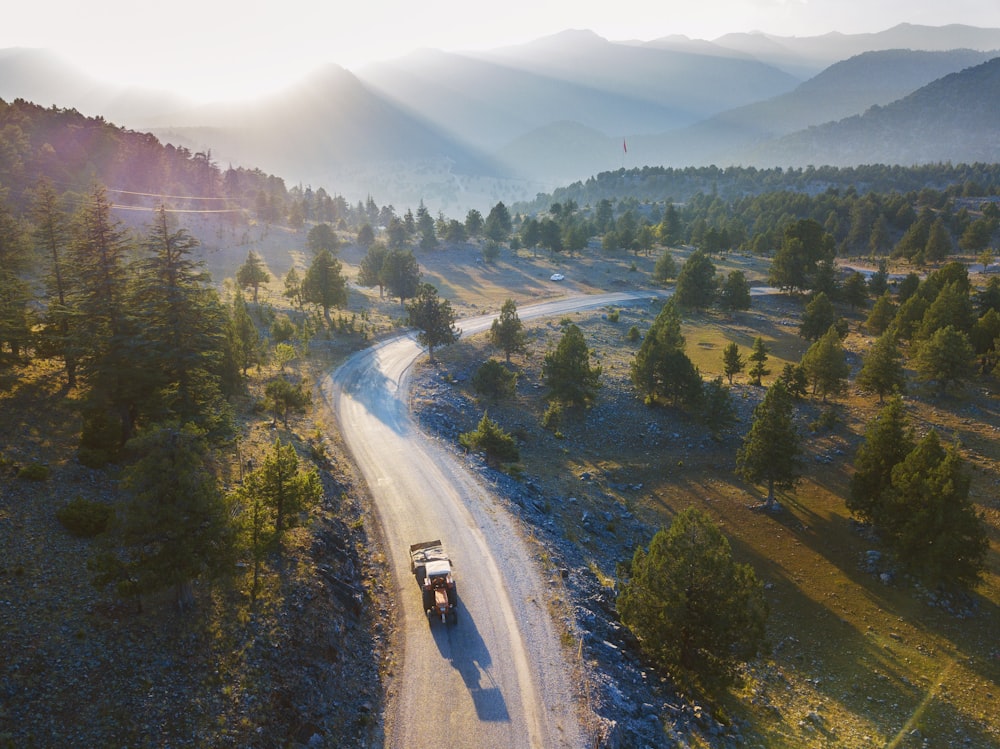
(556, 277)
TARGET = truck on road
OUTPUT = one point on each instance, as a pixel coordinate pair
(431, 567)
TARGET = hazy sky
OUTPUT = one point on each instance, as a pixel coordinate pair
(223, 48)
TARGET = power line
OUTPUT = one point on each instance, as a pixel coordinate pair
(160, 195)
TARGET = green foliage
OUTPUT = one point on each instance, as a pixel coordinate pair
(696, 284)
(732, 361)
(735, 292)
(717, 412)
(633, 334)
(507, 330)
(34, 472)
(370, 271)
(855, 291)
(770, 450)
(493, 380)
(929, 522)
(324, 284)
(793, 377)
(887, 441)
(283, 397)
(491, 251)
(252, 274)
(434, 318)
(400, 274)
(825, 365)
(282, 329)
(85, 518)
(322, 237)
(282, 487)
(804, 246)
(882, 370)
(665, 268)
(819, 315)
(661, 369)
(176, 526)
(696, 612)
(552, 418)
(491, 439)
(758, 358)
(944, 358)
(882, 315)
(613, 316)
(567, 371)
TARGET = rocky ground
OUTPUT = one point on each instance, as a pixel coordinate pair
(301, 665)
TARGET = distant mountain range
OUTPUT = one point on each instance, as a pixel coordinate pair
(463, 130)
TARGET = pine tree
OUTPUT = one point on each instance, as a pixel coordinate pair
(769, 453)
(735, 293)
(434, 318)
(732, 361)
(370, 270)
(696, 612)
(882, 315)
(758, 357)
(176, 526)
(181, 323)
(661, 369)
(324, 285)
(825, 365)
(52, 236)
(400, 274)
(931, 525)
(252, 274)
(944, 358)
(696, 282)
(882, 370)
(819, 315)
(507, 330)
(665, 267)
(717, 412)
(105, 333)
(887, 441)
(283, 486)
(567, 371)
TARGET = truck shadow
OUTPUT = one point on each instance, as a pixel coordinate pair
(463, 646)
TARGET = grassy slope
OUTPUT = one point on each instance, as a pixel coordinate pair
(856, 662)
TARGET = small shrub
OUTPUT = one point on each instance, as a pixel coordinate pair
(34, 472)
(492, 440)
(634, 334)
(826, 420)
(84, 518)
(282, 329)
(493, 380)
(552, 416)
(613, 315)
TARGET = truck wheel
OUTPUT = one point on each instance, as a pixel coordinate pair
(428, 600)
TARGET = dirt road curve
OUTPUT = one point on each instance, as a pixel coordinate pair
(499, 678)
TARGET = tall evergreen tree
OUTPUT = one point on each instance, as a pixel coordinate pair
(882, 369)
(507, 330)
(567, 371)
(888, 440)
(181, 324)
(252, 274)
(758, 357)
(105, 333)
(732, 361)
(695, 611)
(176, 526)
(696, 282)
(882, 314)
(770, 451)
(283, 486)
(735, 293)
(817, 318)
(433, 317)
(324, 285)
(661, 369)
(944, 358)
(825, 365)
(52, 237)
(370, 270)
(400, 274)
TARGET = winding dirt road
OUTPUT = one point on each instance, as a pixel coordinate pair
(500, 677)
